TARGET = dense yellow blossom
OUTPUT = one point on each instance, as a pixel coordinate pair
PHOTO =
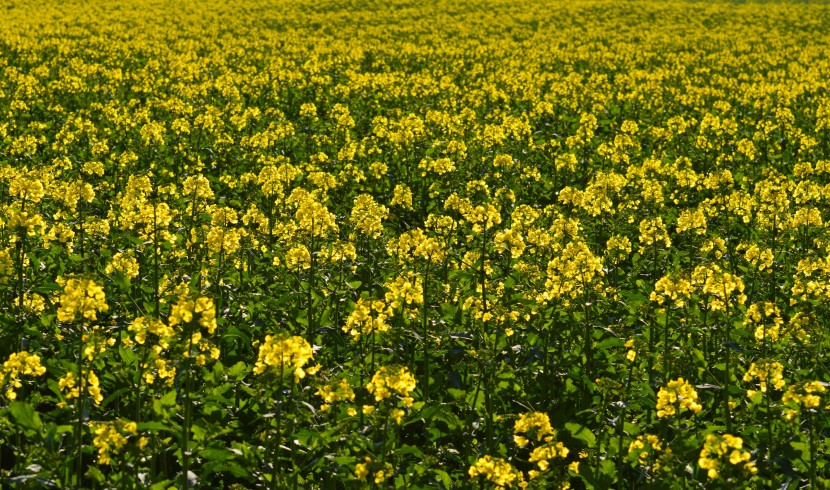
(767, 372)
(123, 263)
(69, 384)
(111, 437)
(392, 378)
(508, 198)
(368, 317)
(336, 393)
(20, 363)
(498, 471)
(284, 353)
(807, 394)
(676, 395)
(81, 298)
(185, 311)
(717, 450)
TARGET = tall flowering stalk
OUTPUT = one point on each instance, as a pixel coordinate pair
(79, 304)
(278, 356)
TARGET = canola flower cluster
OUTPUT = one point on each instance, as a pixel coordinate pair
(675, 396)
(283, 354)
(112, 437)
(389, 379)
(719, 449)
(498, 472)
(20, 363)
(648, 451)
(81, 298)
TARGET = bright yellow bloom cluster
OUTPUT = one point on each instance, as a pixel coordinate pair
(725, 288)
(571, 273)
(141, 326)
(284, 352)
(482, 217)
(511, 240)
(767, 318)
(618, 246)
(81, 297)
(803, 395)
(297, 257)
(726, 447)
(222, 234)
(95, 342)
(402, 197)
(533, 423)
(111, 437)
(124, 263)
(331, 394)
(368, 215)
(497, 471)
(646, 448)
(416, 244)
(543, 454)
(405, 289)
(314, 219)
(537, 426)
(69, 384)
(20, 363)
(184, 310)
(761, 258)
(392, 378)
(653, 232)
(368, 316)
(380, 475)
(27, 187)
(765, 371)
(678, 290)
(691, 221)
(676, 395)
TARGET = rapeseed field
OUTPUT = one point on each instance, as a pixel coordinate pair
(440, 244)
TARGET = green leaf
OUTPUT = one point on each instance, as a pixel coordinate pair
(344, 460)
(216, 454)
(154, 427)
(25, 416)
(443, 478)
(581, 433)
(128, 356)
(122, 281)
(476, 399)
(238, 370)
(609, 342)
(413, 450)
(456, 394)
(430, 410)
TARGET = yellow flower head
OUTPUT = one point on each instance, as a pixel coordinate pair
(389, 379)
(282, 353)
(81, 298)
(675, 396)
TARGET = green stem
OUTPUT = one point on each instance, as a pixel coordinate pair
(425, 318)
(310, 332)
(187, 411)
(621, 422)
(813, 449)
(726, 381)
(80, 408)
(666, 347)
(275, 452)
(156, 299)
